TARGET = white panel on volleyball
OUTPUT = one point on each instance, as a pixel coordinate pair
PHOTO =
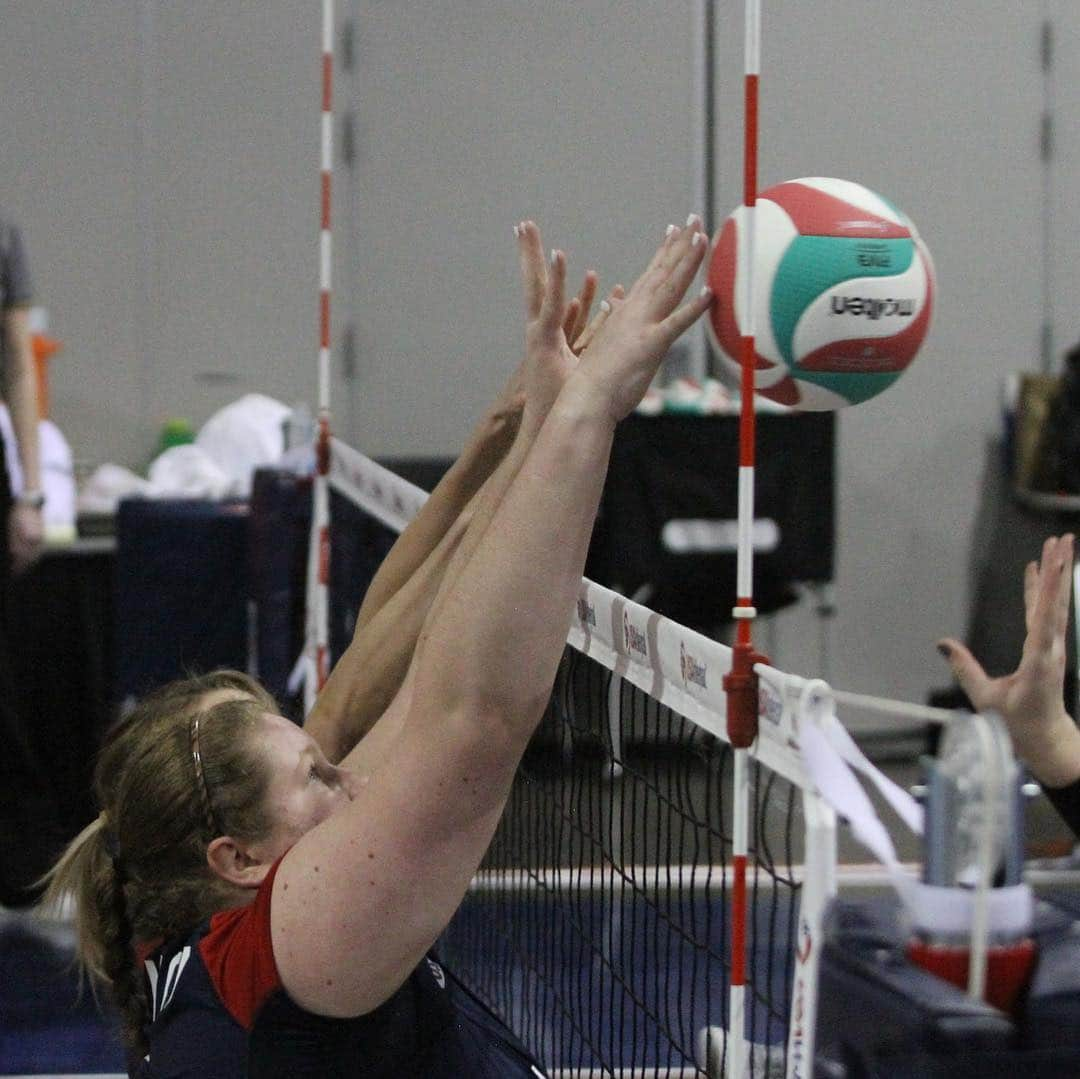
(885, 307)
(857, 195)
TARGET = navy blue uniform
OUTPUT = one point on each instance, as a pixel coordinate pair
(220, 1012)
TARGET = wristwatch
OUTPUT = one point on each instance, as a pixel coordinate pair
(33, 499)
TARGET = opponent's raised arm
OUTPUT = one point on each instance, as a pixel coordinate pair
(1031, 699)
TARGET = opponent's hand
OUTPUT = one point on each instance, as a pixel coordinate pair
(1031, 699)
(624, 353)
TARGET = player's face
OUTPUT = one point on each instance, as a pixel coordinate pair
(305, 788)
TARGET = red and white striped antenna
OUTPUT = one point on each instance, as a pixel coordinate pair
(319, 555)
(741, 683)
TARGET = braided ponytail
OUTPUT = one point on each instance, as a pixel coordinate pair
(119, 962)
(90, 873)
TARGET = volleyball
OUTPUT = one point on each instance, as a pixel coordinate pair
(843, 291)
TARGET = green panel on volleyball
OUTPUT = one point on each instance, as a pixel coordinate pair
(854, 388)
(813, 264)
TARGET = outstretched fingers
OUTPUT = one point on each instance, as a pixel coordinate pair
(688, 256)
(969, 672)
(1031, 593)
(1049, 614)
(1064, 586)
(553, 307)
(665, 284)
(662, 258)
(533, 266)
(579, 308)
(582, 341)
(675, 255)
(682, 318)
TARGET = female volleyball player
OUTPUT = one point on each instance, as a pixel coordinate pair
(261, 899)
(1031, 700)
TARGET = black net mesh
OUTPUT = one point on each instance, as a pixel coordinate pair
(599, 926)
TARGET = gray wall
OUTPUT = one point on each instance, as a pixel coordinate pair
(163, 161)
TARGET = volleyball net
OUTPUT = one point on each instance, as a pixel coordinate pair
(602, 925)
(599, 925)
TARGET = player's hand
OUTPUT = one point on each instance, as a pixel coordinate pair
(576, 320)
(582, 341)
(549, 318)
(624, 353)
(1031, 699)
(537, 371)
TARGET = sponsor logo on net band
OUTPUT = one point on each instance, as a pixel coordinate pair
(586, 612)
(634, 639)
(692, 670)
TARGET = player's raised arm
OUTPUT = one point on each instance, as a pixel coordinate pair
(380, 878)
(361, 707)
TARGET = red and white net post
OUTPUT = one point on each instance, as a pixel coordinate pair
(741, 684)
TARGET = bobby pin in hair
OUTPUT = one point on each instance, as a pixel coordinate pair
(204, 792)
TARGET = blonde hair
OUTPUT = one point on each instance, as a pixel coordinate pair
(138, 873)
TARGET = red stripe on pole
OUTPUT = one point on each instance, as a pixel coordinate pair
(738, 921)
(321, 666)
(324, 319)
(750, 146)
(325, 220)
(327, 81)
(322, 447)
(747, 422)
(324, 555)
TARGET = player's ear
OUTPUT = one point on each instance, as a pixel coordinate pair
(232, 861)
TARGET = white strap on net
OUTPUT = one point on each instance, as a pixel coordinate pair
(832, 760)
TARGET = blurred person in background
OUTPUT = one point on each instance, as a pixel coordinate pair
(26, 805)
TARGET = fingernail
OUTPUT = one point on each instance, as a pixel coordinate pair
(517, 231)
(605, 307)
(706, 291)
(697, 238)
(669, 230)
(693, 219)
(944, 649)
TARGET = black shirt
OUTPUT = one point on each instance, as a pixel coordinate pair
(1066, 800)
